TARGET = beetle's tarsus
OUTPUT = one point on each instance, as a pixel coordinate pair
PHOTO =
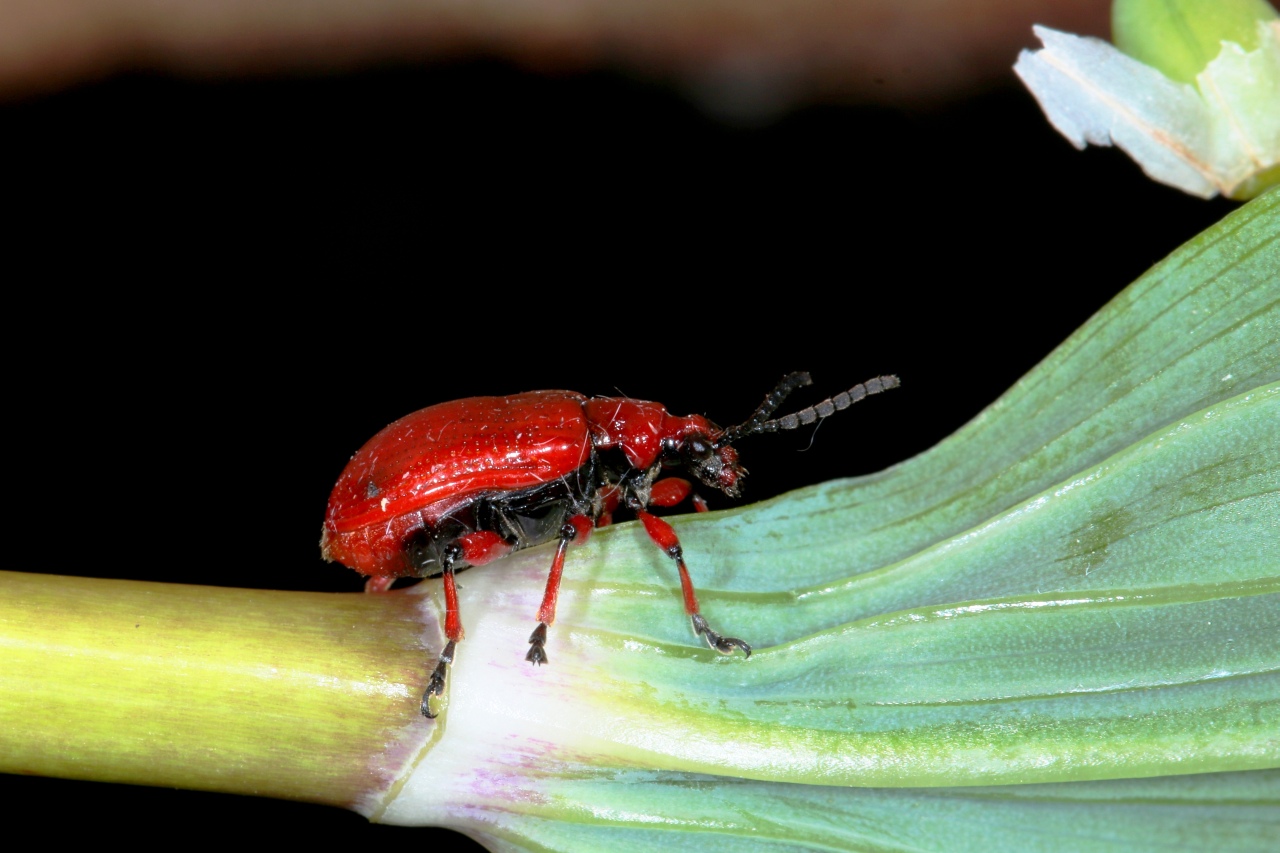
(724, 645)
(537, 645)
(435, 687)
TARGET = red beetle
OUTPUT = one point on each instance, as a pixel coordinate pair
(466, 482)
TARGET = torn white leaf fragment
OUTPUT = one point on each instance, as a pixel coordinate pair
(1211, 138)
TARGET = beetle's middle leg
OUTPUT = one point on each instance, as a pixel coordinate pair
(578, 528)
(475, 549)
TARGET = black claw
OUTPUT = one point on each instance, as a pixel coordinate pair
(435, 687)
(724, 645)
(537, 645)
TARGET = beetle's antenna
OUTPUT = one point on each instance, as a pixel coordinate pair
(831, 405)
(760, 416)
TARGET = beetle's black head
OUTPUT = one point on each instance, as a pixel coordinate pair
(716, 466)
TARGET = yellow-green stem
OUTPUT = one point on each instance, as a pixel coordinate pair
(302, 696)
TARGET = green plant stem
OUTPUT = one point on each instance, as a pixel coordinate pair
(292, 695)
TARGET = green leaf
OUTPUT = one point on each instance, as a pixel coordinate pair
(1081, 585)
(1222, 811)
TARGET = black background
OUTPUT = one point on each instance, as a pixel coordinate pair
(222, 289)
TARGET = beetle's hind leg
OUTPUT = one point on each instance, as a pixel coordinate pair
(577, 528)
(452, 629)
(435, 687)
(475, 549)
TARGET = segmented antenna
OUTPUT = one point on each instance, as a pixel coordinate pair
(831, 405)
(772, 401)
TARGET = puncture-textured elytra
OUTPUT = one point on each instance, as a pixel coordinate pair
(466, 482)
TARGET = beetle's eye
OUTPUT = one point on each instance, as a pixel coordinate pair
(698, 447)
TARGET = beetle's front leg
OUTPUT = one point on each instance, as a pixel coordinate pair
(475, 549)
(665, 538)
(576, 528)
(672, 490)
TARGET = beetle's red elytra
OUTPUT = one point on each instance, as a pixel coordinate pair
(466, 482)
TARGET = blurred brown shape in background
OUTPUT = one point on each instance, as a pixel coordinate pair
(740, 57)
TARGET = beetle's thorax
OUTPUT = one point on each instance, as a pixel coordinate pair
(642, 430)
(647, 435)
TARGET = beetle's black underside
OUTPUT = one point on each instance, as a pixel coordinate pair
(523, 518)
